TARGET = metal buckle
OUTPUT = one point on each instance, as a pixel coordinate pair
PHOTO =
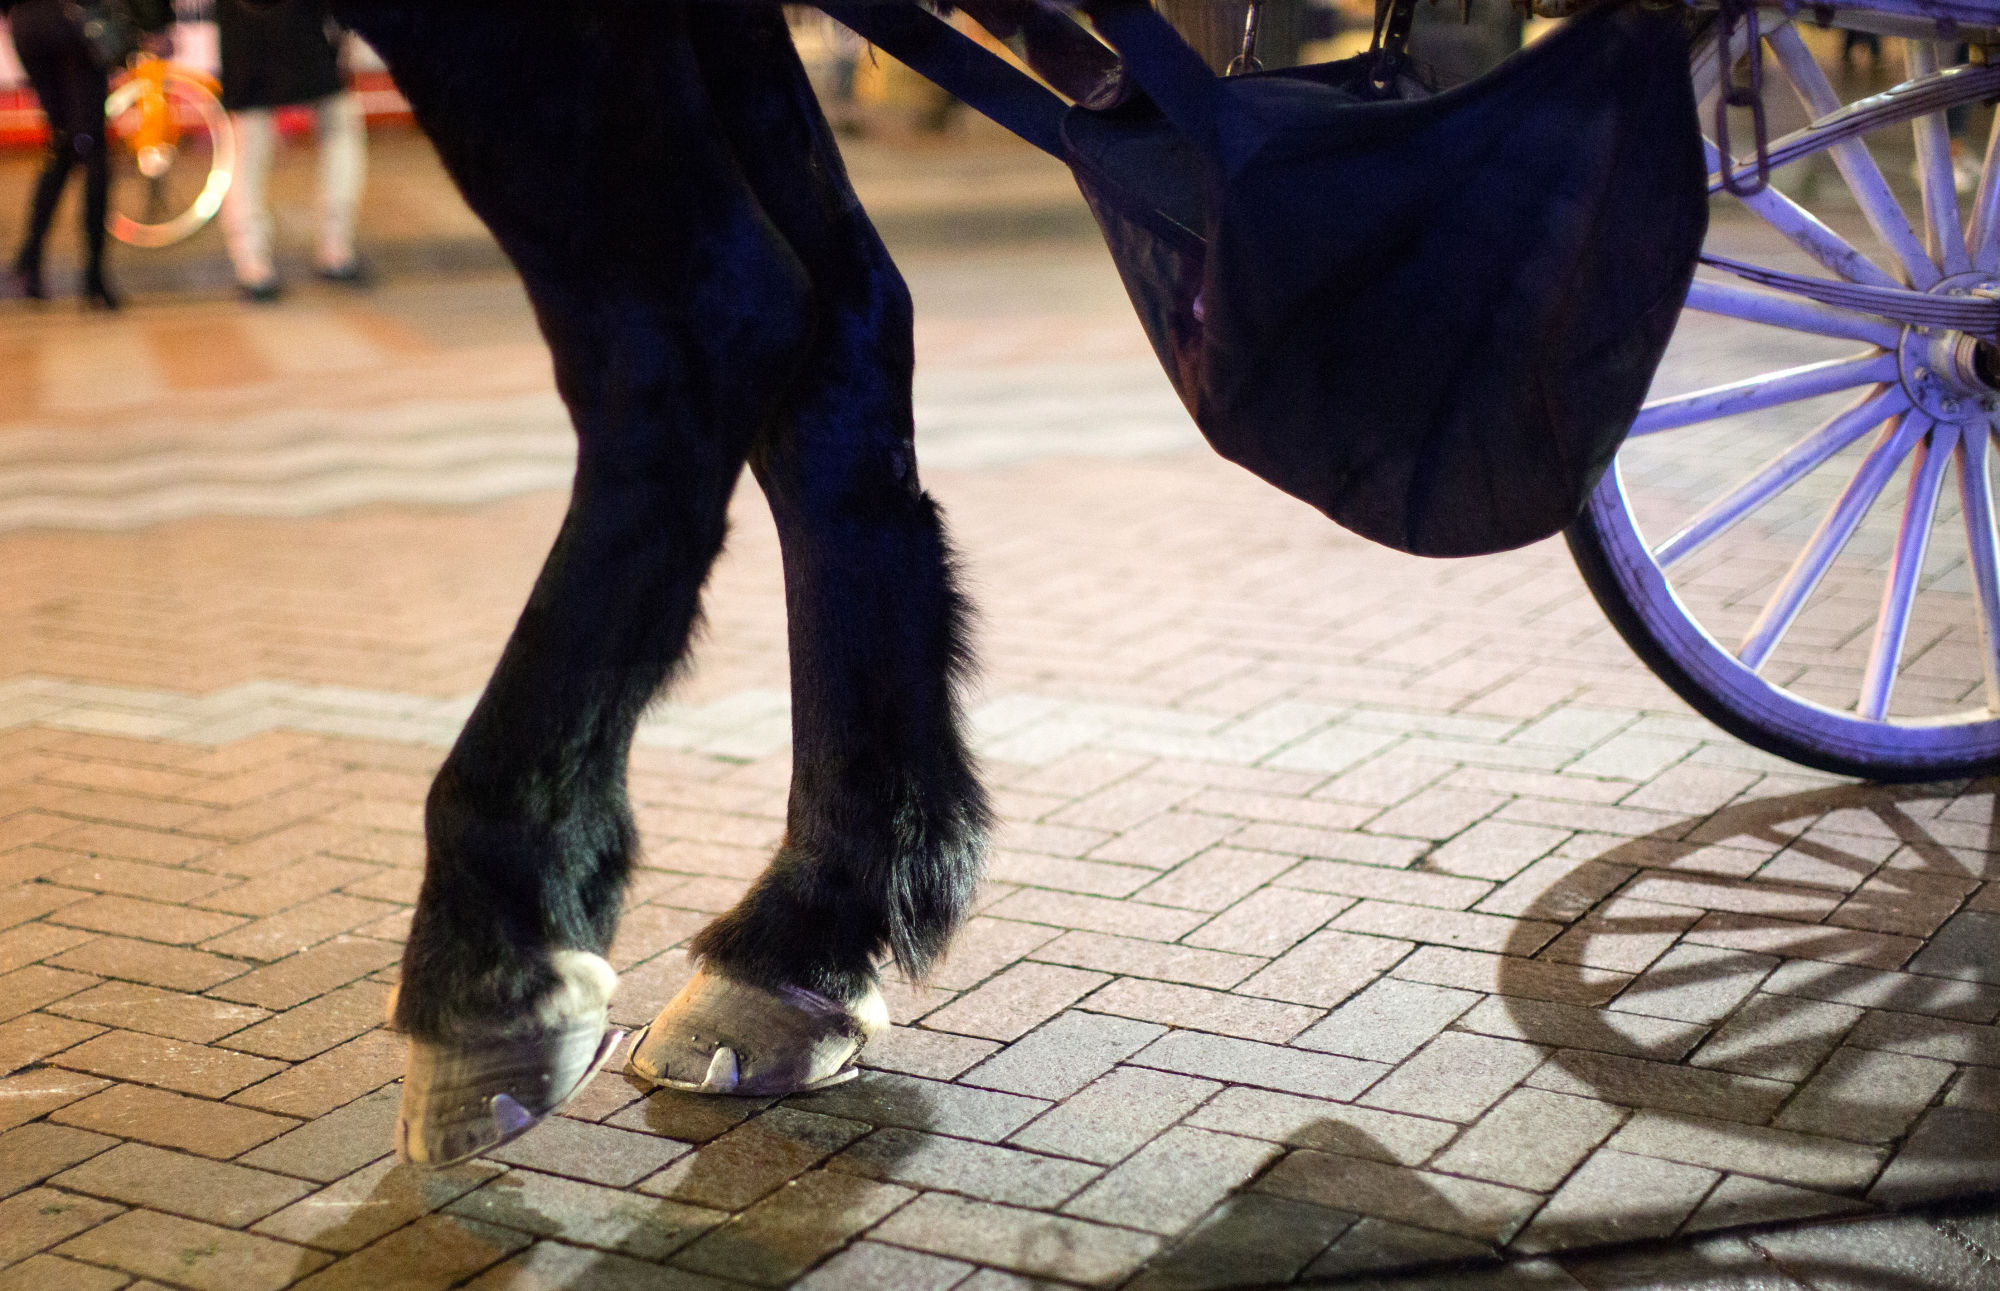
(1750, 181)
(1246, 61)
(1391, 44)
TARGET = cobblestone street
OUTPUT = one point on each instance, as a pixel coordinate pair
(1351, 912)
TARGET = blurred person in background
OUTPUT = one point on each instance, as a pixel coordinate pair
(277, 56)
(70, 72)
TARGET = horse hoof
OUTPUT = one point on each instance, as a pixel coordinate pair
(468, 1097)
(723, 1036)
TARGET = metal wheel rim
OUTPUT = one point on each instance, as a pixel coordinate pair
(221, 170)
(1919, 436)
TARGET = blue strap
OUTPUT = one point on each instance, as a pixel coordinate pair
(961, 66)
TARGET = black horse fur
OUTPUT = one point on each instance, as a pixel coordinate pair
(713, 296)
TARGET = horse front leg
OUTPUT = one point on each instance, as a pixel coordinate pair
(886, 823)
(677, 319)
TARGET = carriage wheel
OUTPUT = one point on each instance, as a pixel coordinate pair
(163, 193)
(1782, 548)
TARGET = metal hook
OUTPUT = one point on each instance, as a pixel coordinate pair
(1247, 60)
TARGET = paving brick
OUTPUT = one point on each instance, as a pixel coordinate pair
(984, 946)
(867, 1266)
(1411, 887)
(1137, 958)
(42, 1217)
(172, 968)
(32, 1037)
(1202, 1010)
(1015, 1002)
(1865, 1095)
(1758, 933)
(1458, 928)
(187, 1253)
(31, 1153)
(171, 1064)
(1485, 1211)
(198, 1188)
(332, 1145)
(1739, 1201)
(1456, 1076)
(1615, 1197)
(1874, 988)
(1319, 1123)
(1622, 935)
(1954, 1151)
(374, 1201)
(1174, 1180)
(981, 1170)
(135, 879)
(589, 1215)
(735, 1169)
(35, 986)
(29, 1094)
(1568, 1026)
(1215, 879)
(173, 925)
(1531, 1139)
(133, 844)
(1026, 1241)
(1495, 849)
(1637, 1082)
(1782, 1037)
(1695, 984)
(1063, 1055)
(333, 1079)
(1555, 887)
(300, 977)
(1096, 914)
(1266, 1066)
(1804, 1159)
(30, 942)
(918, 1052)
(317, 1025)
(1907, 902)
(1248, 1238)
(1380, 1246)
(1961, 1042)
(1166, 840)
(603, 1154)
(435, 1251)
(49, 1273)
(276, 890)
(1091, 878)
(174, 1014)
(1388, 1021)
(1326, 968)
(1268, 922)
(791, 1230)
(1114, 1115)
(173, 1121)
(1510, 975)
(884, 1098)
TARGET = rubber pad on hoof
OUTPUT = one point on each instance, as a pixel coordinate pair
(722, 1036)
(460, 1100)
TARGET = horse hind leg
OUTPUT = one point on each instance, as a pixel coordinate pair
(886, 822)
(676, 319)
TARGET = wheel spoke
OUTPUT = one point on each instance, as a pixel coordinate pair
(1780, 310)
(1975, 493)
(1781, 472)
(1804, 230)
(1984, 238)
(1842, 519)
(1856, 164)
(1947, 235)
(1767, 391)
(1892, 625)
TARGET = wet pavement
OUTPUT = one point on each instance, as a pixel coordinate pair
(1352, 913)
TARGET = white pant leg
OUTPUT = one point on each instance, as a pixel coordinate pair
(343, 169)
(246, 216)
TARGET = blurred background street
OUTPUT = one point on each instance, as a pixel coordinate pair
(1351, 914)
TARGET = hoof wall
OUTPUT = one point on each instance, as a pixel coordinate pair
(460, 1100)
(722, 1036)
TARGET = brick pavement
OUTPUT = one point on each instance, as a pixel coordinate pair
(1350, 912)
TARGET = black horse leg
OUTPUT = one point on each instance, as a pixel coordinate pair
(886, 822)
(677, 320)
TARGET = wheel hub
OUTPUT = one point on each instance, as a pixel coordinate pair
(1953, 376)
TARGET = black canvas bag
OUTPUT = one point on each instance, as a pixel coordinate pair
(1432, 319)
